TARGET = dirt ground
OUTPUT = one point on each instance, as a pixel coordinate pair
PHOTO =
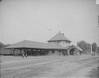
(49, 66)
(94, 73)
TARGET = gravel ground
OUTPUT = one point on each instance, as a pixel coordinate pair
(50, 67)
(94, 73)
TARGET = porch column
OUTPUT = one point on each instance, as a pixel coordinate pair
(68, 51)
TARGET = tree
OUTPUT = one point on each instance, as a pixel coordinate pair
(97, 50)
(1, 45)
(86, 47)
(94, 48)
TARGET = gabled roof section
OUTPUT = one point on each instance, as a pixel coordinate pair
(74, 46)
(59, 37)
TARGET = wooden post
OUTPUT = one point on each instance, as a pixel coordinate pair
(22, 52)
(68, 52)
(91, 50)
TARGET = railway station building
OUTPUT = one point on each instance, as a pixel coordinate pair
(58, 44)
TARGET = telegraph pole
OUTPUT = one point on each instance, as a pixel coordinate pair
(91, 50)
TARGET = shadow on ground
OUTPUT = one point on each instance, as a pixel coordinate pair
(28, 72)
(94, 73)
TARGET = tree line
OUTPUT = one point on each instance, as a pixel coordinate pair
(88, 48)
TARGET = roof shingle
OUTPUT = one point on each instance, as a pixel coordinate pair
(37, 45)
(59, 37)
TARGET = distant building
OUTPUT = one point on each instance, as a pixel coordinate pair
(58, 44)
(74, 50)
(60, 39)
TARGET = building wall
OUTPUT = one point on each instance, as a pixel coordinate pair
(62, 43)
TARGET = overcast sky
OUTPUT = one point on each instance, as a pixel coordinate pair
(39, 20)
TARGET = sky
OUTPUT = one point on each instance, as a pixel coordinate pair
(97, 1)
(39, 20)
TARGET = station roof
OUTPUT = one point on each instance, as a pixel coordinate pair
(36, 45)
(59, 37)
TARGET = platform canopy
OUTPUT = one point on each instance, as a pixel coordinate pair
(36, 45)
(59, 37)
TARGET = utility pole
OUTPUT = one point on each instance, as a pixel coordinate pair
(98, 21)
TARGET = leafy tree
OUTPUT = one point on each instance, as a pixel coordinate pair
(97, 50)
(94, 47)
(86, 47)
(1, 45)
